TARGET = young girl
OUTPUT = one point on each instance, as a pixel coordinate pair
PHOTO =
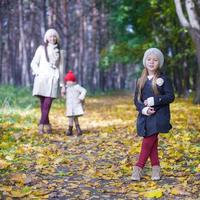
(75, 95)
(154, 93)
(48, 69)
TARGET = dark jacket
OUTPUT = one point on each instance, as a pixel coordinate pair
(159, 122)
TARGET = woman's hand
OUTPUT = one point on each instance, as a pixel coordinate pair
(63, 91)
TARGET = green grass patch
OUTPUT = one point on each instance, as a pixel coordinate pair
(19, 97)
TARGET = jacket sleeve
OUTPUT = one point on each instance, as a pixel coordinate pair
(139, 105)
(62, 67)
(83, 92)
(36, 61)
(168, 96)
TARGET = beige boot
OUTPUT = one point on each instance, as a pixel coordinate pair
(47, 128)
(137, 173)
(41, 128)
(155, 173)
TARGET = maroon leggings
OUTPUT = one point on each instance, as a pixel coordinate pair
(45, 105)
(149, 149)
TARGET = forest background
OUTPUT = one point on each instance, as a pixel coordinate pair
(104, 40)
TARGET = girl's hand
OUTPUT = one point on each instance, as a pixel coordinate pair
(151, 111)
(63, 91)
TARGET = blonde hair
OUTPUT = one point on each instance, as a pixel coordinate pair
(141, 81)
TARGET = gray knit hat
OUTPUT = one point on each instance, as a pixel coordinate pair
(50, 32)
(156, 52)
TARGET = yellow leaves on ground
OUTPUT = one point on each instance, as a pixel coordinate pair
(3, 164)
(19, 193)
(99, 163)
(18, 177)
(153, 194)
(198, 168)
(179, 190)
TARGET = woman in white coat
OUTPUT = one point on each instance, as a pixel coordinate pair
(75, 95)
(48, 68)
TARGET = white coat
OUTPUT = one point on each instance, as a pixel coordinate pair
(75, 94)
(48, 76)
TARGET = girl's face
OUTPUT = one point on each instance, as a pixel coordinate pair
(152, 63)
(52, 39)
(70, 82)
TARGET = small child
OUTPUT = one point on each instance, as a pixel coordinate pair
(154, 93)
(75, 95)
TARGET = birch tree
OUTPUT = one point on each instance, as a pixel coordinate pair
(192, 24)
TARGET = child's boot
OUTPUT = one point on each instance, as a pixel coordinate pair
(78, 129)
(155, 173)
(41, 128)
(48, 128)
(69, 132)
(137, 173)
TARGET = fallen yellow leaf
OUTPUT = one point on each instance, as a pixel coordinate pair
(3, 164)
(18, 178)
(153, 193)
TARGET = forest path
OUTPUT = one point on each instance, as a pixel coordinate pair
(98, 164)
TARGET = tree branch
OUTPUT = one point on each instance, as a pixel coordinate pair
(190, 7)
(179, 11)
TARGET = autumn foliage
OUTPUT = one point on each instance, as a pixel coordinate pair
(98, 164)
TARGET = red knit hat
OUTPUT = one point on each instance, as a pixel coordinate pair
(70, 76)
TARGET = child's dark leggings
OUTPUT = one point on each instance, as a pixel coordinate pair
(149, 149)
(45, 105)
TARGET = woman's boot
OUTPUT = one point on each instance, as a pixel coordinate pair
(48, 128)
(41, 128)
(69, 132)
(78, 129)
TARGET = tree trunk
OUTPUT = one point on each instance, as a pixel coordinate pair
(1, 47)
(186, 79)
(80, 41)
(103, 39)
(94, 45)
(43, 14)
(193, 26)
(196, 38)
(22, 47)
(6, 70)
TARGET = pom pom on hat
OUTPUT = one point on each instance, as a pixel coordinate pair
(50, 32)
(156, 52)
(70, 76)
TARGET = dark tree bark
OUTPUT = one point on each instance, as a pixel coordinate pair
(22, 47)
(83, 28)
(193, 26)
(186, 75)
(80, 40)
